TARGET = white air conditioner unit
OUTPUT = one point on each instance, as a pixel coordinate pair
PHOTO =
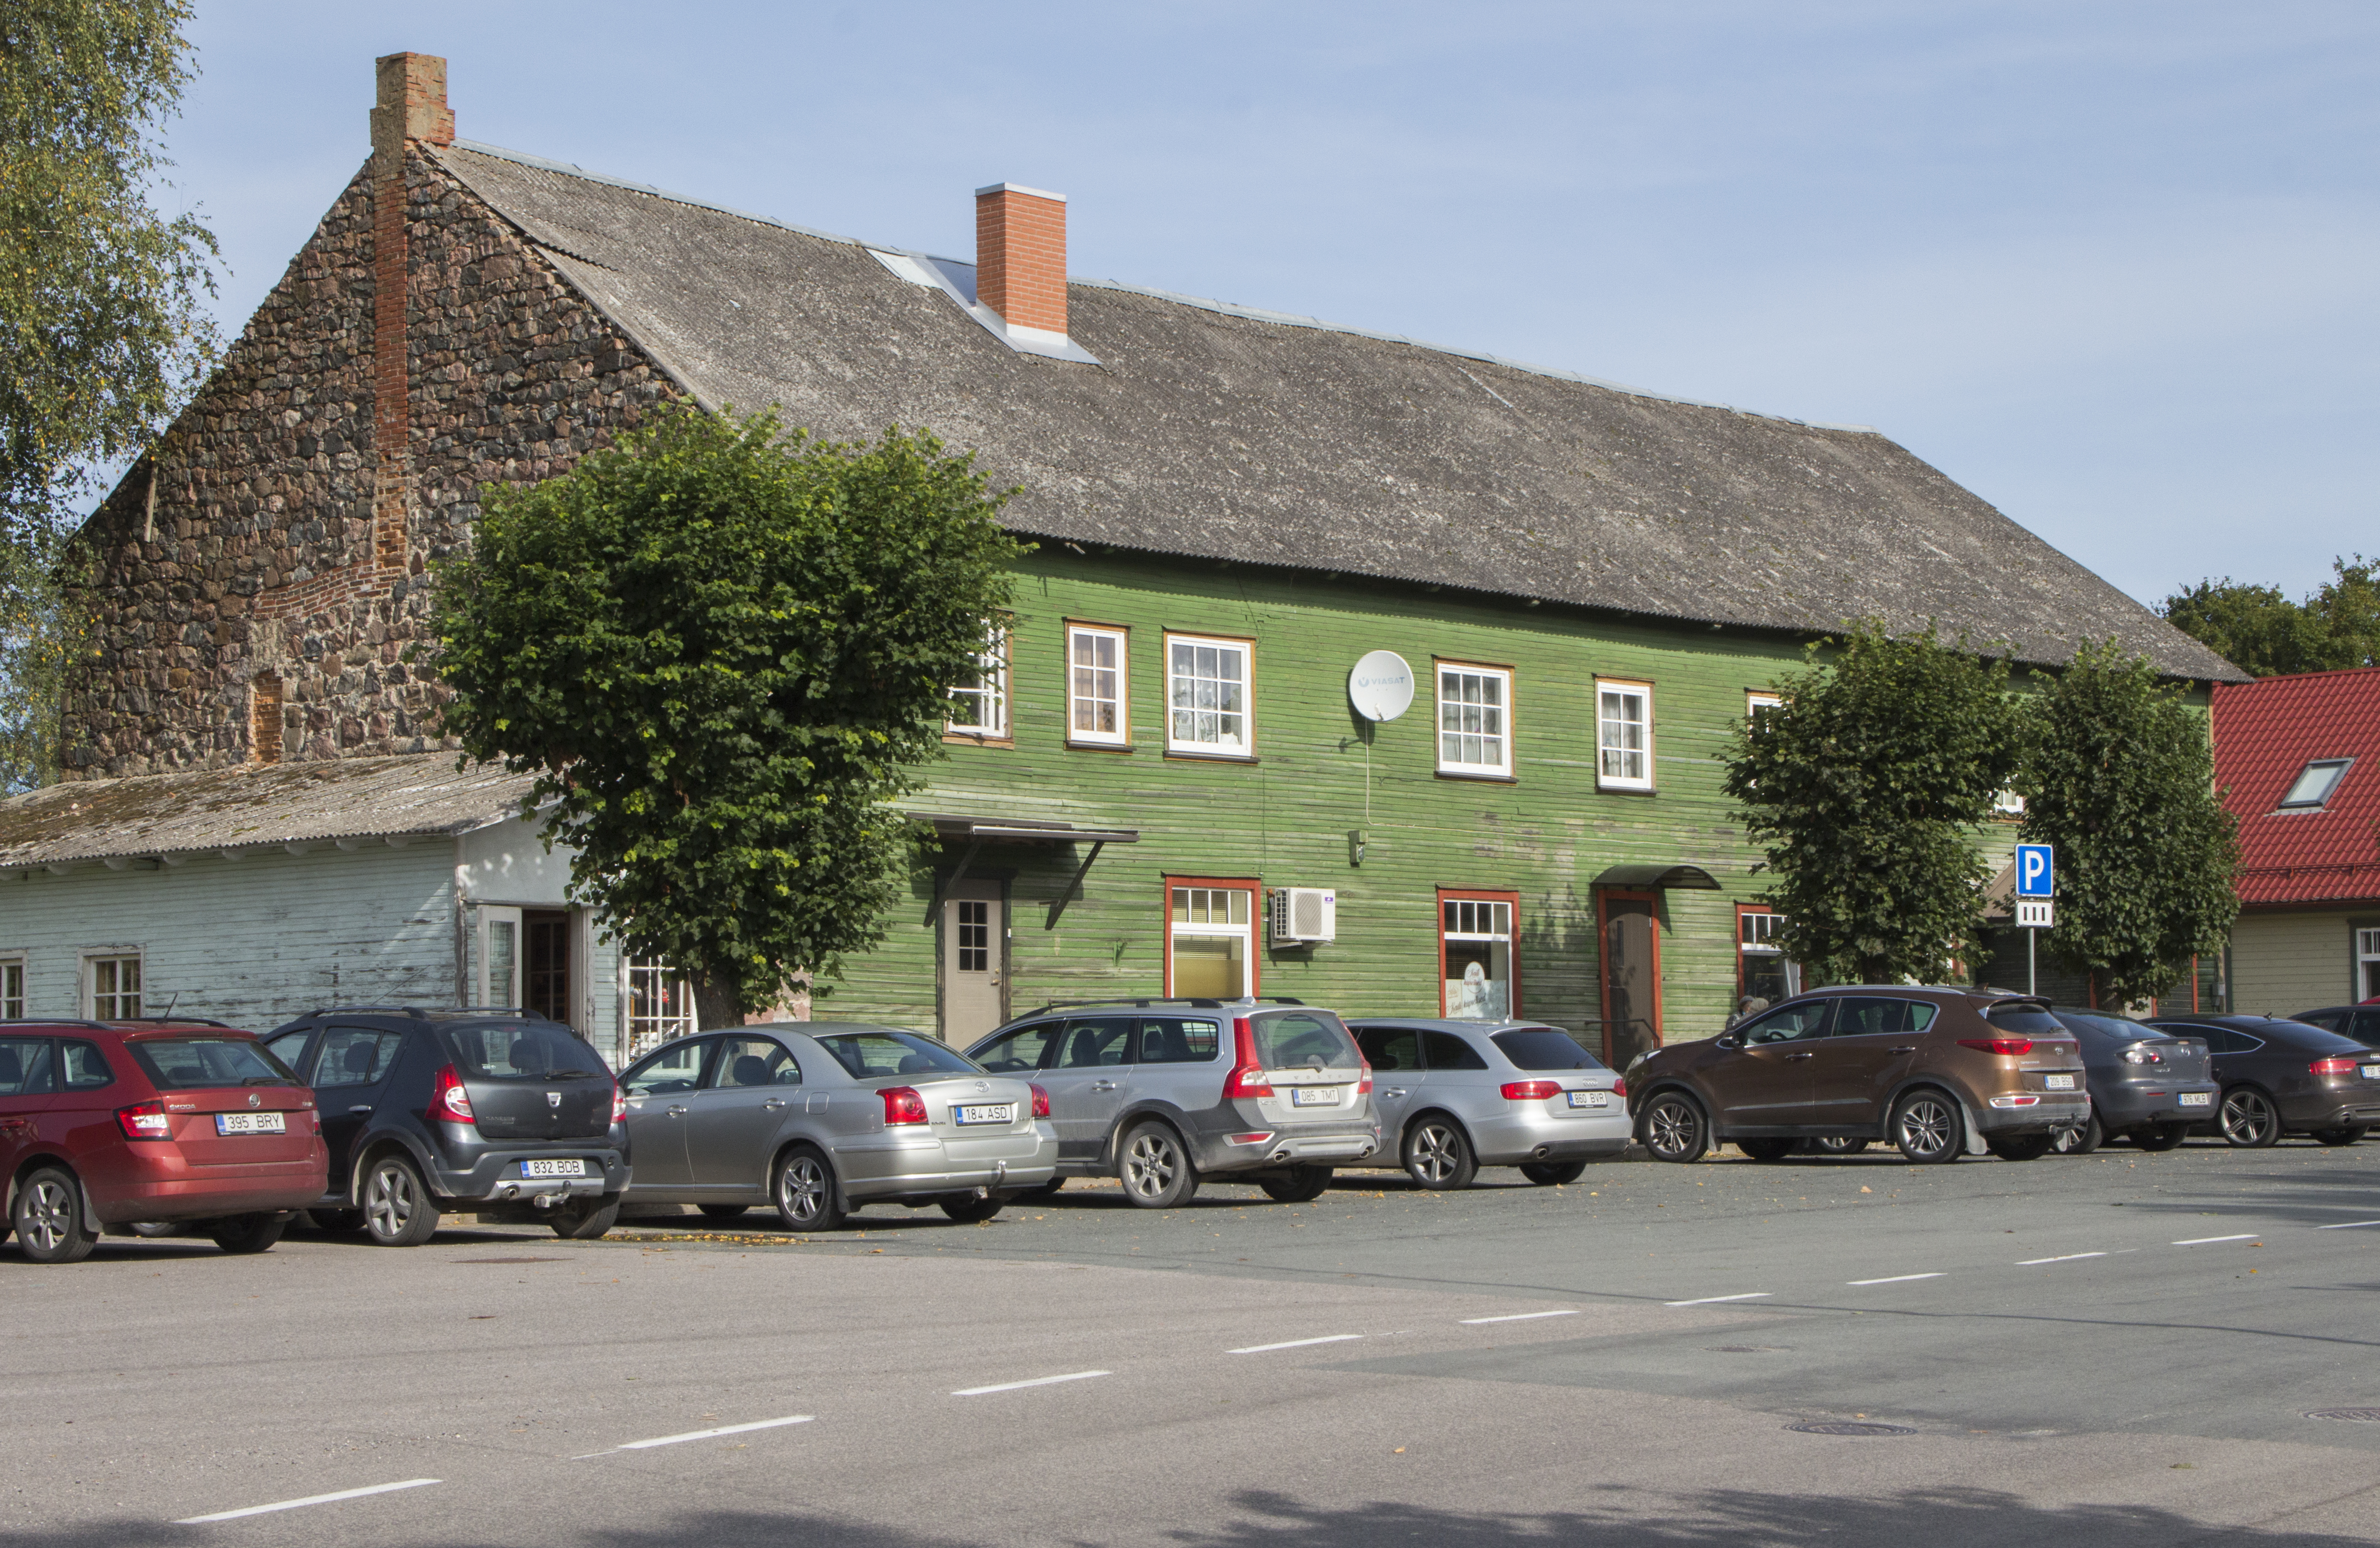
(1304, 915)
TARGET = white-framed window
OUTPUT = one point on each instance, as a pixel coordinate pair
(1211, 940)
(2367, 964)
(2008, 803)
(1209, 696)
(1624, 734)
(660, 1005)
(12, 989)
(979, 698)
(1762, 972)
(1097, 707)
(1475, 957)
(1757, 701)
(112, 987)
(1474, 720)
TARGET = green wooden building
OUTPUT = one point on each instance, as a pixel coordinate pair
(1158, 782)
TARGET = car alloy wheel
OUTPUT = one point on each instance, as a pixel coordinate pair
(2083, 1139)
(804, 1192)
(1925, 1126)
(1156, 1174)
(2249, 1119)
(1438, 1157)
(1674, 1129)
(48, 1218)
(398, 1210)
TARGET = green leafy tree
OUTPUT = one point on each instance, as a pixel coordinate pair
(1863, 789)
(725, 649)
(2260, 630)
(101, 295)
(43, 631)
(2120, 777)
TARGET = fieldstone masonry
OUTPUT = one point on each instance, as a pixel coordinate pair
(281, 532)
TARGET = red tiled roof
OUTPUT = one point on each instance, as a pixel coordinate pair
(2266, 732)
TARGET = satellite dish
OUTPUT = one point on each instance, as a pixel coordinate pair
(1381, 685)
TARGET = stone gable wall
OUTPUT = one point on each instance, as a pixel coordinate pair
(259, 554)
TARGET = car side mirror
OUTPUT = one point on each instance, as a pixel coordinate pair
(1729, 1039)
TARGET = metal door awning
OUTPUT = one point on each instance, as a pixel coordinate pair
(976, 832)
(1654, 874)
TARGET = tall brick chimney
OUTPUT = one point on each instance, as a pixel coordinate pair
(1020, 255)
(411, 105)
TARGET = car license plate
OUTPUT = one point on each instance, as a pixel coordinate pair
(1590, 1099)
(1313, 1096)
(989, 1113)
(2058, 1082)
(574, 1167)
(2198, 1099)
(2370, 1072)
(250, 1123)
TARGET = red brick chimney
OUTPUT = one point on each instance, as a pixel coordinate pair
(1020, 255)
(412, 105)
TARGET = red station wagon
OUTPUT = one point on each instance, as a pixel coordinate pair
(104, 1123)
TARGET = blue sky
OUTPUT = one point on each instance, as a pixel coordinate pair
(2114, 267)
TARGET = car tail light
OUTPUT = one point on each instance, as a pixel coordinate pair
(145, 1120)
(1364, 1083)
(1532, 1090)
(619, 1103)
(1619, 1086)
(449, 1100)
(2336, 1066)
(1247, 1078)
(1258, 1137)
(2025, 1101)
(1040, 1103)
(2142, 1056)
(903, 1106)
(2010, 1046)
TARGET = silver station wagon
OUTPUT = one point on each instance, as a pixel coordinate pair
(1455, 1096)
(1161, 1093)
(819, 1119)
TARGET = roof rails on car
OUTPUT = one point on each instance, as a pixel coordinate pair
(1194, 1004)
(183, 1021)
(420, 1015)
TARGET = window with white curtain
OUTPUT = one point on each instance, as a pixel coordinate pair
(1474, 727)
(1623, 716)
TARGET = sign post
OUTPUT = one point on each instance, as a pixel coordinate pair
(2036, 887)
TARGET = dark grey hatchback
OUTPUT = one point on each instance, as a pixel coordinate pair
(501, 1112)
(2147, 1085)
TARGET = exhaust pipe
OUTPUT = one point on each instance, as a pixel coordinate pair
(1282, 1155)
(1539, 1153)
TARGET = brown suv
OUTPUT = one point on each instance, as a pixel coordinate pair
(1939, 1072)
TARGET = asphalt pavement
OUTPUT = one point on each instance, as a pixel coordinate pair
(2115, 1350)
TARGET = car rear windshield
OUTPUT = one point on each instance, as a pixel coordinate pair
(521, 1051)
(866, 1055)
(2107, 1025)
(1545, 1048)
(1304, 1039)
(184, 1064)
(2030, 1019)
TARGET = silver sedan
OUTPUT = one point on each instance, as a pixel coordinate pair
(819, 1119)
(1455, 1096)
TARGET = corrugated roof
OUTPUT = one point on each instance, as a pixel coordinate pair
(1218, 432)
(418, 796)
(2266, 732)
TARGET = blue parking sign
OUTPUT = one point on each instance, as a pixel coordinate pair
(2036, 873)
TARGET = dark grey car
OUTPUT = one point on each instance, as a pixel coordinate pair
(2360, 1023)
(2147, 1085)
(2285, 1076)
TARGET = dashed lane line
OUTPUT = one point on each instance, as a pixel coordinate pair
(1714, 1300)
(1515, 1317)
(1036, 1381)
(722, 1429)
(1294, 1343)
(311, 1499)
(2346, 1224)
(1894, 1279)
(2061, 1257)
(2202, 1241)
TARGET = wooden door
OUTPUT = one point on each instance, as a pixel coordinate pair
(975, 961)
(1632, 980)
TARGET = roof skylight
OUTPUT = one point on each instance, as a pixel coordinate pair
(2315, 785)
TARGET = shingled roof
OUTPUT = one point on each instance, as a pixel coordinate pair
(2266, 732)
(1221, 432)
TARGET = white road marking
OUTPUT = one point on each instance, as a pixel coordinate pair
(311, 1499)
(1294, 1344)
(1515, 1317)
(1036, 1381)
(2346, 1224)
(1713, 1300)
(722, 1429)
(1895, 1279)
(2202, 1241)
(2063, 1258)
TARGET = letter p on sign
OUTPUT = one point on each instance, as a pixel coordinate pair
(2034, 871)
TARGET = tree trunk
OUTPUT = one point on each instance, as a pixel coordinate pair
(714, 1004)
